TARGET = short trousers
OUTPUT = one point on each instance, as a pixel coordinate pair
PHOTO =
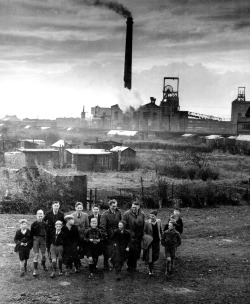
(39, 242)
(56, 252)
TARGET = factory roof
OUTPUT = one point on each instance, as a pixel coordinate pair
(122, 132)
(243, 137)
(89, 151)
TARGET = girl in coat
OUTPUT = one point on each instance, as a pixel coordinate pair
(23, 240)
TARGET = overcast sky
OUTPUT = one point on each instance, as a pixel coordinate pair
(58, 55)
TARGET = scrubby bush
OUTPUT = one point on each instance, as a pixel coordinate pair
(131, 164)
(207, 173)
(151, 202)
(29, 191)
(204, 194)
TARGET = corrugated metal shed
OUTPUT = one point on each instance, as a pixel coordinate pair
(213, 137)
(243, 138)
(120, 148)
(59, 143)
(122, 133)
(89, 151)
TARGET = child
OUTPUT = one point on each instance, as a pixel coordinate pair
(23, 242)
(93, 236)
(39, 234)
(56, 248)
(175, 217)
(121, 239)
(71, 244)
(170, 240)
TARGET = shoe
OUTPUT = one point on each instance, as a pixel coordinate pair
(21, 273)
(66, 273)
(77, 270)
(91, 276)
(35, 274)
(60, 273)
(53, 274)
(44, 266)
(150, 273)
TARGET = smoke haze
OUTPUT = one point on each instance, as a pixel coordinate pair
(112, 5)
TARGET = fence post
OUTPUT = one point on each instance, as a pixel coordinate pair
(95, 195)
(142, 190)
(90, 199)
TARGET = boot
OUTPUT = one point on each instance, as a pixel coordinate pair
(53, 274)
(118, 275)
(25, 266)
(35, 273)
(167, 268)
(21, 268)
(60, 268)
(44, 266)
(91, 269)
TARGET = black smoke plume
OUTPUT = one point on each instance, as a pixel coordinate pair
(112, 5)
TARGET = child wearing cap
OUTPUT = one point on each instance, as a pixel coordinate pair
(56, 248)
(39, 234)
(170, 240)
(23, 246)
(94, 249)
(71, 244)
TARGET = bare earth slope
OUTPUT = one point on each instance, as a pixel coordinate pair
(213, 267)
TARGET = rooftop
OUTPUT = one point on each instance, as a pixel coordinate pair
(88, 151)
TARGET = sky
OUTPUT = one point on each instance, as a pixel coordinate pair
(57, 56)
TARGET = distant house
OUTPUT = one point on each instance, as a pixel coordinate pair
(27, 144)
(214, 140)
(106, 145)
(243, 141)
(61, 144)
(39, 142)
(122, 155)
(90, 159)
(40, 156)
(125, 133)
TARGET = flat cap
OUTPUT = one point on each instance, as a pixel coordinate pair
(68, 217)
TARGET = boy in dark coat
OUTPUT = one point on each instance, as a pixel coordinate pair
(121, 239)
(94, 249)
(56, 248)
(71, 244)
(51, 217)
(134, 220)
(39, 231)
(108, 224)
(170, 240)
(23, 242)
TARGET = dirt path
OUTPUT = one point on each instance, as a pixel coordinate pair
(213, 267)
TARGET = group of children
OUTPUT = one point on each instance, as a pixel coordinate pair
(65, 242)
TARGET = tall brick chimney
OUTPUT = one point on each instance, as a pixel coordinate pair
(128, 55)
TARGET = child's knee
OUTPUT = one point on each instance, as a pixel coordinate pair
(90, 260)
(35, 259)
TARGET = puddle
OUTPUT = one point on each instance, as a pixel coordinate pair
(227, 240)
(64, 283)
(11, 245)
(180, 290)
